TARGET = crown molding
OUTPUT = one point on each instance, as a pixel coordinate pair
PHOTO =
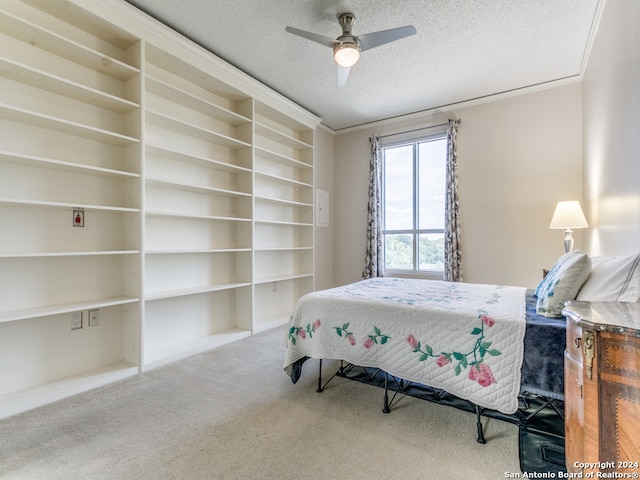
(422, 114)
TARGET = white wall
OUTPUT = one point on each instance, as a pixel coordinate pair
(517, 157)
(611, 104)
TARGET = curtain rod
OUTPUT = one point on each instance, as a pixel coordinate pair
(417, 130)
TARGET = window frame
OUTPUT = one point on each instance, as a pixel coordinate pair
(413, 141)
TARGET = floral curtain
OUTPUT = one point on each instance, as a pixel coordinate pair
(452, 244)
(373, 266)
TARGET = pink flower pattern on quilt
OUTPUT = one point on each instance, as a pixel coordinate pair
(474, 359)
(375, 338)
(479, 371)
(302, 332)
(482, 374)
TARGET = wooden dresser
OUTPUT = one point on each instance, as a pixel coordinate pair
(602, 389)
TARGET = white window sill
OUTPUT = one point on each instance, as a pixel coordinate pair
(418, 275)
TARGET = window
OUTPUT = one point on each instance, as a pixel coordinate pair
(413, 205)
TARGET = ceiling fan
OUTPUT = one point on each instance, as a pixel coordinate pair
(347, 47)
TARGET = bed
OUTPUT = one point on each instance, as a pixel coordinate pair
(482, 343)
(486, 344)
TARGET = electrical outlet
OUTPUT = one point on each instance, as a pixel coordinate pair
(76, 320)
(94, 318)
(274, 286)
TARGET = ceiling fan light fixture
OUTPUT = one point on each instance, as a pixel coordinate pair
(347, 47)
(346, 54)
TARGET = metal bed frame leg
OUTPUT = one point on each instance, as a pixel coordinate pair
(341, 372)
(385, 408)
(319, 389)
(481, 438)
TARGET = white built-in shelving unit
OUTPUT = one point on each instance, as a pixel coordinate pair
(195, 184)
(198, 191)
(283, 214)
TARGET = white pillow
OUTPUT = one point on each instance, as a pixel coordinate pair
(562, 283)
(613, 279)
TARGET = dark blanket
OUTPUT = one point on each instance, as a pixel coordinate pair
(544, 343)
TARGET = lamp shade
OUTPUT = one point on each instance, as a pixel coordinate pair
(568, 215)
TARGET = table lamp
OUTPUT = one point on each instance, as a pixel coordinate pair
(568, 215)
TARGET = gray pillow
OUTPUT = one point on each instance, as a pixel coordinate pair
(562, 283)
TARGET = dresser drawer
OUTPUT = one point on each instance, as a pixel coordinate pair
(574, 341)
(619, 355)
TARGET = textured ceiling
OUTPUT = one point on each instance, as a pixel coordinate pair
(463, 49)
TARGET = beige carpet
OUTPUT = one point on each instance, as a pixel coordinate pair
(232, 413)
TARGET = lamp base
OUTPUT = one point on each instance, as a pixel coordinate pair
(568, 240)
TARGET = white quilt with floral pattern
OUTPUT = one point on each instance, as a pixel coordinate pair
(467, 339)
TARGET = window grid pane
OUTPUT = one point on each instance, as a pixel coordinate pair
(398, 251)
(398, 188)
(431, 184)
(431, 252)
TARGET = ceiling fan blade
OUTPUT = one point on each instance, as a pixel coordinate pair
(314, 37)
(343, 74)
(375, 39)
